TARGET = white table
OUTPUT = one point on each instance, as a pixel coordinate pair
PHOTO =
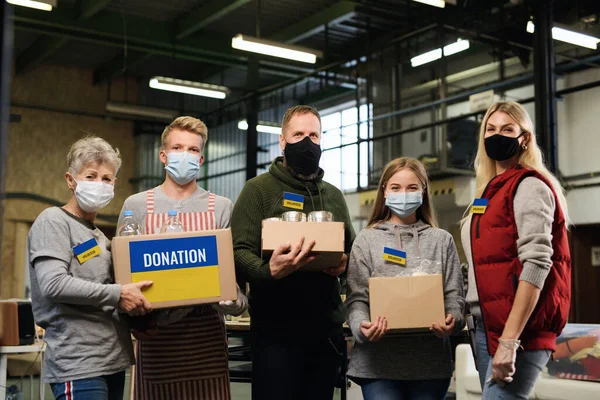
(4, 352)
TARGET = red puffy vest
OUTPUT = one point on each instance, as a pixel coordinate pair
(497, 266)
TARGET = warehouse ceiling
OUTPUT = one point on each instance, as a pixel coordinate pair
(191, 39)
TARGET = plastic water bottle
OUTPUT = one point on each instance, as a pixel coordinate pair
(173, 224)
(129, 227)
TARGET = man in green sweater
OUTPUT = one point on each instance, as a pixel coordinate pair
(297, 316)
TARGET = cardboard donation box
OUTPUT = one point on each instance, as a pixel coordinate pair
(329, 238)
(187, 268)
(577, 354)
(409, 303)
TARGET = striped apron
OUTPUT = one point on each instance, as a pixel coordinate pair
(187, 360)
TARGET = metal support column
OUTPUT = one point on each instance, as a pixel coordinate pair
(252, 119)
(545, 83)
(6, 41)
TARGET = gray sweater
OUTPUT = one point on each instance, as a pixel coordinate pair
(410, 356)
(534, 207)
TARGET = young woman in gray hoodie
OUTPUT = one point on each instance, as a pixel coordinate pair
(413, 366)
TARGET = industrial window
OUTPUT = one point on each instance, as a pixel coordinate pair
(345, 160)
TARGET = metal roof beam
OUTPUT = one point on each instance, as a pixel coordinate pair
(89, 8)
(206, 15)
(338, 12)
(44, 47)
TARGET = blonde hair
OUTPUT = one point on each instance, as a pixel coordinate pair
(92, 149)
(382, 213)
(530, 156)
(298, 110)
(188, 124)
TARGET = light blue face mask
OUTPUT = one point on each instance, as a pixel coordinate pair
(182, 166)
(404, 204)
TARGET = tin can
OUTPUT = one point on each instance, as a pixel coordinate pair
(293, 216)
(320, 216)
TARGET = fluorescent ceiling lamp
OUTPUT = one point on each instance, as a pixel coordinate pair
(456, 47)
(189, 87)
(563, 35)
(275, 49)
(426, 58)
(261, 127)
(452, 48)
(141, 111)
(435, 3)
(44, 5)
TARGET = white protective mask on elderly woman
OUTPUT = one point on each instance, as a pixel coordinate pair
(92, 196)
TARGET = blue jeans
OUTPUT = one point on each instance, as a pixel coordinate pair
(108, 387)
(388, 389)
(528, 366)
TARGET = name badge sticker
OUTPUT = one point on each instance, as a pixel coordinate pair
(395, 256)
(293, 200)
(87, 250)
(479, 206)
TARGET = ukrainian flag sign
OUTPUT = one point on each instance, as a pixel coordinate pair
(181, 268)
(87, 250)
(395, 256)
(293, 200)
(479, 206)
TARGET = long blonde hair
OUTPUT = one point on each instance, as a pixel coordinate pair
(382, 213)
(530, 157)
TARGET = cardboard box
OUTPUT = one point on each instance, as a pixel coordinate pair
(410, 303)
(577, 354)
(187, 268)
(329, 238)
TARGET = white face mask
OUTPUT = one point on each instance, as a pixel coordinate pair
(92, 196)
(182, 167)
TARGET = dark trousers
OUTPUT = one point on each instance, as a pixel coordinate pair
(294, 368)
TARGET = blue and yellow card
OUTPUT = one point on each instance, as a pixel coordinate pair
(87, 250)
(293, 200)
(181, 268)
(395, 256)
(479, 206)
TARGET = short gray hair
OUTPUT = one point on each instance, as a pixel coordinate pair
(92, 149)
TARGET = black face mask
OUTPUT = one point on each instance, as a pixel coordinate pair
(501, 148)
(303, 156)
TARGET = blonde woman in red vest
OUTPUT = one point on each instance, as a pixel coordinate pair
(515, 240)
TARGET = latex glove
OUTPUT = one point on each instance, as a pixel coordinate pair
(445, 328)
(374, 331)
(236, 307)
(503, 363)
(337, 271)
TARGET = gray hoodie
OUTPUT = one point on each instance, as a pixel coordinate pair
(408, 356)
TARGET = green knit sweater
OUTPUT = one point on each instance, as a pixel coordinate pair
(302, 303)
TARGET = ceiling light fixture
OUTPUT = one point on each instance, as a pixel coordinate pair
(275, 49)
(188, 87)
(141, 111)
(564, 35)
(435, 3)
(452, 48)
(263, 127)
(44, 5)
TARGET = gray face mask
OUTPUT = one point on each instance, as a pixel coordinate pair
(404, 204)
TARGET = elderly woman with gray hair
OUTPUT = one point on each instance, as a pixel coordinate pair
(75, 299)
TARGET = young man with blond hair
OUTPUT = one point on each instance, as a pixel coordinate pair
(297, 316)
(182, 352)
